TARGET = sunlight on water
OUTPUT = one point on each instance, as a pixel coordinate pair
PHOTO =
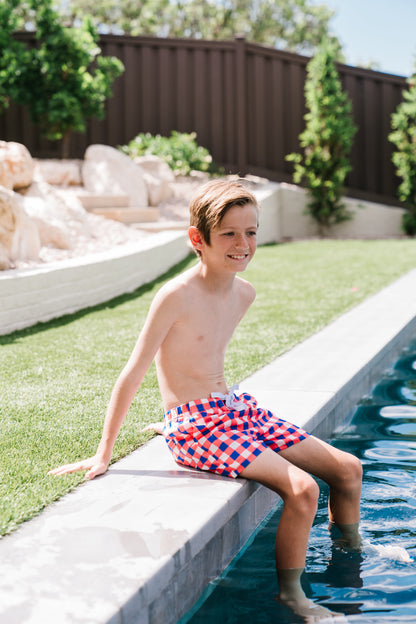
(376, 585)
(398, 411)
(392, 452)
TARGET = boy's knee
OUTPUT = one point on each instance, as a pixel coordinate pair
(354, 470)
(350, 473)
(305, 495)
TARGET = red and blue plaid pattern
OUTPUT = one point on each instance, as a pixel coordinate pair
(208, 435)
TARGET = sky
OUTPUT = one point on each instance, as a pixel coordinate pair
(381, 31)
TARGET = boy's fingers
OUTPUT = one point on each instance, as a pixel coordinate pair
(157, 427)
(69, 468)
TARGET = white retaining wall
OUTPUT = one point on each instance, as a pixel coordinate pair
(29, 296)
(369, 220)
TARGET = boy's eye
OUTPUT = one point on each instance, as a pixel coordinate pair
(253, 233)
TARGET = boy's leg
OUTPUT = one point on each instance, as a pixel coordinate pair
(340, 470)
(299, 492)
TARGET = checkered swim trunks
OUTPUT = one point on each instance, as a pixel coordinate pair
(224, 433)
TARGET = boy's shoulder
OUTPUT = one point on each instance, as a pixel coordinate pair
(185, 287)
(176, 288)
(246, 289)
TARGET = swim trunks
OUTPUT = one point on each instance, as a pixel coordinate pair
(224, 433)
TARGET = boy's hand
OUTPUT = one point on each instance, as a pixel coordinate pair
(157, 427)
(94, 466)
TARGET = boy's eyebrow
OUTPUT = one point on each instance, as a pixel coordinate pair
(234, 225)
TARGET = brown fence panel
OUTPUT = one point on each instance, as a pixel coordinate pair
(245, 102)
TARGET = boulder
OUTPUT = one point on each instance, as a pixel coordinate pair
(158, 177)
(106, 170)
(19, 236)
(16, 165)
(58, 172)
(60, 218)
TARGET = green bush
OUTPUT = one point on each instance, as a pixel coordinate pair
(13, 55)
(63, 80)
(326, 141)
(180, 151)
(403, 123)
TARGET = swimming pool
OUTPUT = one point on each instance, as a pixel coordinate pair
(375, 585)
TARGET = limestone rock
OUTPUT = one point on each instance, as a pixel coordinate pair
(60, 219)
(19, 236)
(106, 170)
(16, 165)
(58, 172)
(6, 179)
(158, 177)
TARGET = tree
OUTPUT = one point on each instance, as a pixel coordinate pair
(403, 123)
(63, 80)
(295, 25)
(326, 141)
(13, 56)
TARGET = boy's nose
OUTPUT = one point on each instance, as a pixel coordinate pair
(242, 241)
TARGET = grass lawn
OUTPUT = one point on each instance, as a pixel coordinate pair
(56, 378)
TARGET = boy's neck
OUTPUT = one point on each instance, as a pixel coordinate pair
(215, 280)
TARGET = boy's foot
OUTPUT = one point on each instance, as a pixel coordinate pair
(311, 612)
(292, 595)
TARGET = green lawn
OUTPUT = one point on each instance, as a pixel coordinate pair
(56, 378)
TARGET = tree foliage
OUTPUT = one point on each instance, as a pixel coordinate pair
(294, 25)
(326, 140)
(13, 56)
(403, 124)
(62, 80)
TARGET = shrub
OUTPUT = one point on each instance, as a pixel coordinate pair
(13, 55)
(326, 141)
(180, 151)
(63, 80)
(403, 123)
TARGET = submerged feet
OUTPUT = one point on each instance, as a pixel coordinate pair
(346, 535)
(292, 595)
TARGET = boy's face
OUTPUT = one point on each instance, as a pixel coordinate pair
(234, 241)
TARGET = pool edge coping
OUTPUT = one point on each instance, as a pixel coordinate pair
(239, 506)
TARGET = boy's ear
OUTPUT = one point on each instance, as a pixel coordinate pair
(195, 237)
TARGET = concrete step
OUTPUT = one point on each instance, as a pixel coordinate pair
(103, 201)
(161, 225)
(127, 215)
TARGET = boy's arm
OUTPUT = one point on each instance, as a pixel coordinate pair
(162, 315)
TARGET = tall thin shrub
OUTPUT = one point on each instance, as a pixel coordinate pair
(326, 141)
(403, 123)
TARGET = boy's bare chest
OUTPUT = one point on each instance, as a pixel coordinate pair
(213, 323)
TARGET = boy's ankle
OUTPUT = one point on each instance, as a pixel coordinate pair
(290, 587)
(348, 534)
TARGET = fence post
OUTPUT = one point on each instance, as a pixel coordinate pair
(241, 103)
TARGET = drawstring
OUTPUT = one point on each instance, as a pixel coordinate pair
(230, 399)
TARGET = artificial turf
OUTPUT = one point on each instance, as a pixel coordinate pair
(56, 377)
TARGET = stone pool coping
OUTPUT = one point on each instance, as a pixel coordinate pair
(139, 543)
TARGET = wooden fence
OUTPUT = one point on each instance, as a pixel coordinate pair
(245, 102)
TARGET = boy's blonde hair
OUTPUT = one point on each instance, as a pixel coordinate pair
(211, 202)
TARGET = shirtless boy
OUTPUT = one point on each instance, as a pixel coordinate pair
(189, 325)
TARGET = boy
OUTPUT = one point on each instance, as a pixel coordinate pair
(189, 325)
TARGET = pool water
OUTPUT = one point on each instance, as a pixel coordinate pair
(376, 585)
